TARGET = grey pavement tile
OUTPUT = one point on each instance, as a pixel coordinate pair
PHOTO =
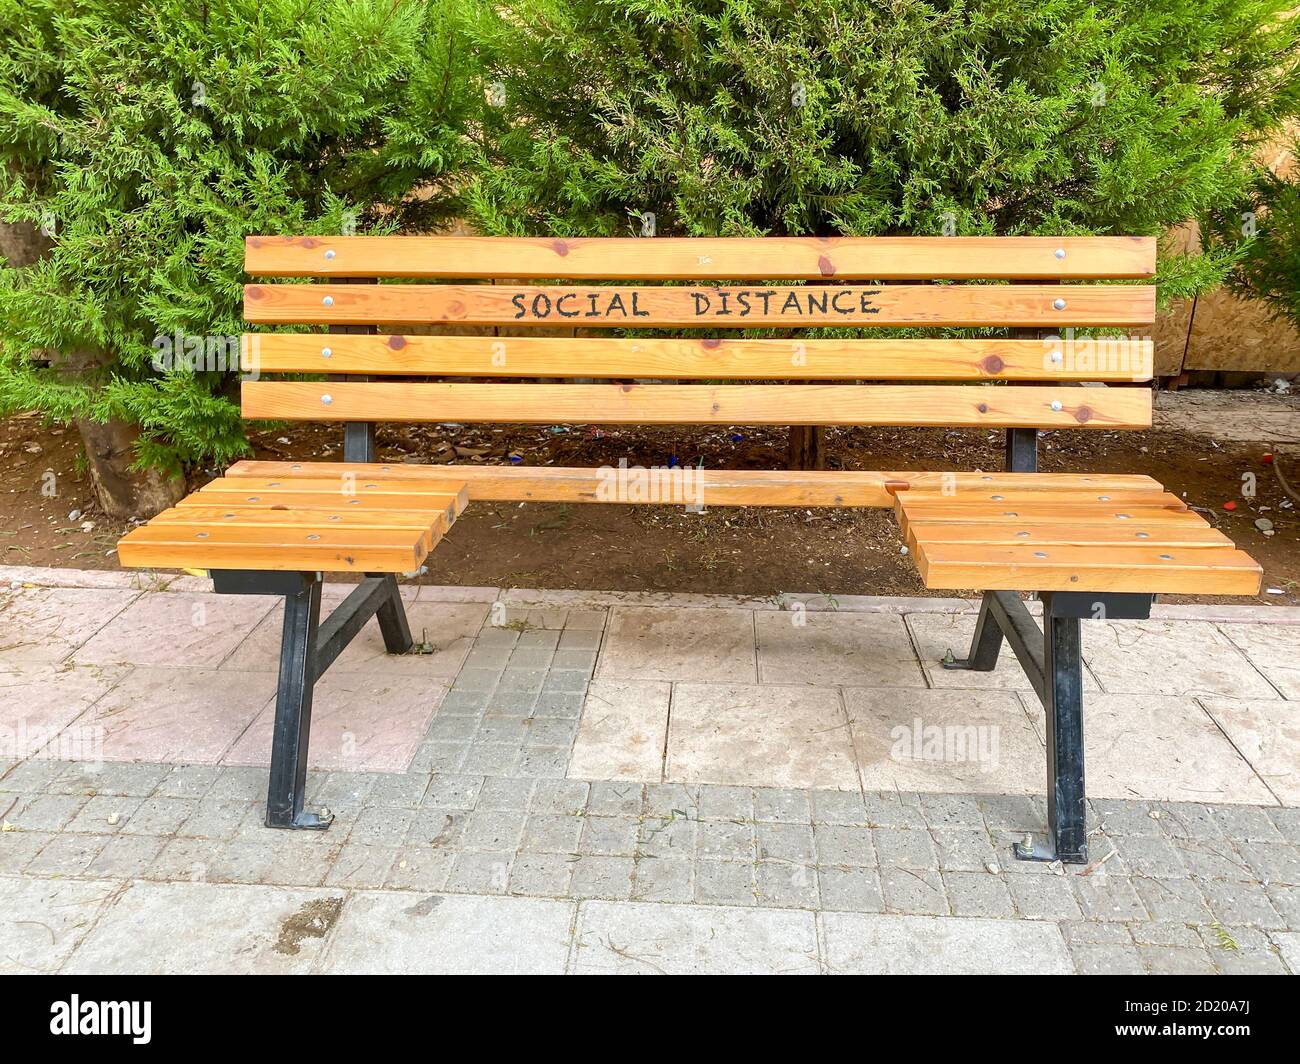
(1173, 899)
(453, 790)
(1095, 933)
(1241, 903)
(544, 875)
(45, 812)
(614, 836)
(724, 839)
(1286, 900)
(129, 779)
(480, 873)
(160, 816)
(67, 855)
(382, 826)
(561, 796)
(844, 845)
(1119, 817)
(500, 792)
(951, 810)
(726, 803)
(43, 920)
(1106, 960)
(783, 884)
(615, 798)
(838, 807)
(894, 811)
(1241, 950)
(904, 848)
(725, 882)
(1044, 897)
(362, 865)
(552, 833)
(1176, 960)
(17, 848)
(187, 781)
(885, 944)
(1151, 856)
(437, 828)
(978, 894)
(597, 876)
(786, 806)
(214, 928)
(421, 868)
(1107, 897)
(1246, 823)
(913, 893)
(126, 857)
(493, 829)
(544, 762)
(635, 937)
(964, 849)
(792, 843)
(401, 933)
(659, 879)
(1273, 863)
(672, 800)
(850, 889)
(668, 838)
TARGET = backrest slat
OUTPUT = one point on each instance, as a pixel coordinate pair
(677, 307)
(693, 404)
(914, 258)
(1108, 359)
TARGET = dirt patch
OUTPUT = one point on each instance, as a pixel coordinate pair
(751, 551)
(313, 920)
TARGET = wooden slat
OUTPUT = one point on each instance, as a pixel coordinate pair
(432, 493)
(343, 550)
(1197, 571)
(711, 308)
(1040, 533)
(721, 487)
(977, 498)
(369, 502)
(426, 521)
(739, 404)
(670, 258)
(1102, 359)
(1050, 511)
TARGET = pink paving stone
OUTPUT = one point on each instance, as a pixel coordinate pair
(38, 701)
(177, 629)
(43, 624)
(191, 715)
(449, 627)
(362, 722)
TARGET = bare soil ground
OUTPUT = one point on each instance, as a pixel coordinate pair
(636, 548)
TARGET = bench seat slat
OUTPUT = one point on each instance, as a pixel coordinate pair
(954, 305)
(1189, 571)
(1026, 406)
(676, 258)
(291, 517)
(693, 359)
(1065, 533)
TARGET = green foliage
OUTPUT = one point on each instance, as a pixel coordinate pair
(1263, 237)
(153, 136)
(918, 116)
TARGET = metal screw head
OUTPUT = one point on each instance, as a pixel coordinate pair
(326, 352)
(1122, 517)
(1166, 557)
(996, 498)
(328, 301)
(313, 535)
(1143, 535)
(1060, 253)
(1022, 535)
(1057, 356)
(1059, 304)
(1056, 404)
(327, 399)
(330, 253)
(1040, 554)
(1027, 843)
(201, 535)
(1103, 498)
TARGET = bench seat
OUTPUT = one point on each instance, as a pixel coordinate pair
(320, 523)
(1130, 540)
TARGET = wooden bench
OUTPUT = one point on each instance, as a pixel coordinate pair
(1090, 545)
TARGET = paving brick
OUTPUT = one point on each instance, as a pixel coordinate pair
(894, 811)
(615, 798)
(499, 792)
(480, 873)
(182, 860)
(565, 705)
(1107, 897)
(904, 848)
(1186, 820)
(850, 889)
(1286, 900)
(785, 842)
(786, 885)
(552, 833)
(1096, 933)
(187, 781)
(1246, 823)
(845, 845)
(493, 829)
(1273, 863)
(725, 882)
(919, 893)
(602, 877)
(544, 875)
(1165, 933)
(1118, 817)
(663, 880)
(1285, 818)
(561, 796)
(437, 828)
(1213, 859)
(1044, 897)
(17, 848)
(382, 826)
(788, 806)
(614, 836)
(128, 779)
(126, 857)
(963, 849)
(492, 759)
(726, 803)
(1241, 950)
(544, 762)
(669, 838)
(160, 816)
(1016, 813)
(1175, 960)
(978, 894)
(67, 855)
(45, 812)
(951, 810)
(453, 791)
(419, 868)
(724, 839)
(838, 807)
(435, 757)
(1173, 899)
(1242, 903)
(1151, 856)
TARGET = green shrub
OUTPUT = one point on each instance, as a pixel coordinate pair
(150, 137)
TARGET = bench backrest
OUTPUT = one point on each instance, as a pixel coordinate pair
(704, 284)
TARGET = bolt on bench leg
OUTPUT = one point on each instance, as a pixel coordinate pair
(288, 784)
(986, 645)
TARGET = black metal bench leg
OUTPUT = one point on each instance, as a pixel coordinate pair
(986, 644)
(1063, 706)
(392, 617)
(298, 666)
